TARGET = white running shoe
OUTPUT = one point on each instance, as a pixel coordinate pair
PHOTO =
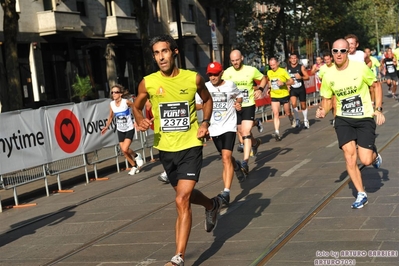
(134, 171)
(306, 124)
(139, 160)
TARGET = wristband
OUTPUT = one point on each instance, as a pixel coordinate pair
(206, 121)
(261, 89)
(379, 109)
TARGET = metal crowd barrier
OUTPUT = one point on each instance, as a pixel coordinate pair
(66, 165)
(22, 177)
(104, 154)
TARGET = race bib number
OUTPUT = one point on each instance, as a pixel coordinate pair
(274, 84)
(296, 84)
(352, 106)
(391, 69)
(175, 116)
(219, 101)
(121, 122)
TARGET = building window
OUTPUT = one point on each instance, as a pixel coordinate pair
(196, 56)
(80, 6)
(218, 17)
(132, 9)
(156, 10)
(173, 13)
(191, 13)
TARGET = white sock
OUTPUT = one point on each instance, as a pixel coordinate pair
(305, 114)
(226, 190)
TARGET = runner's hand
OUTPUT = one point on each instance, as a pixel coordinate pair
(320, 113)
(144, 124)
(379, 118)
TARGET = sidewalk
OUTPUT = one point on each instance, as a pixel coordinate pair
(129, 220)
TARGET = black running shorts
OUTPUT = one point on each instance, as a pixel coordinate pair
(246, 113)
(362, 131)
(125, 135)
(185, 164)
(224, 141)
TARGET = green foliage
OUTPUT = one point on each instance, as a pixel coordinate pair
(263, 33)
(82, 87)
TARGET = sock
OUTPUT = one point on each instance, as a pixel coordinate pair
(305, 114)
(277, 132)
(296, 113)
(226, 190)
(362, 193)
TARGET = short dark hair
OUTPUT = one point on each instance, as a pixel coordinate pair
(326, 53)
(352, 36)
(164, 38)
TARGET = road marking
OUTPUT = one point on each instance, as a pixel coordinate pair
(296, 167)
(395, 105)
(333, 144)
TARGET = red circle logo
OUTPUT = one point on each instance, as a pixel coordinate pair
(67, 131)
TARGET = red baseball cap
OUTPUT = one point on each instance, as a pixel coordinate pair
(214, 68)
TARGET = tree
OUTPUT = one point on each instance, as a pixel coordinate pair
(11, 96)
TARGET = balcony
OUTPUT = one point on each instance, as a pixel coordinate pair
(187, 28)
(120, 25)
(53, 22)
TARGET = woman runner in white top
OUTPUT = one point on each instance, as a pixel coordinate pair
(121, 109)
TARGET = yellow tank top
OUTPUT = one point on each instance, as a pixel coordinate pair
(173, 107)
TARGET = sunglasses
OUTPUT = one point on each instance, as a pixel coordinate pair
(115, 92)
(342, 51)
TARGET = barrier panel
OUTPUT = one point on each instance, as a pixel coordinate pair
(65, 165)
(104, 154)
(22, 177)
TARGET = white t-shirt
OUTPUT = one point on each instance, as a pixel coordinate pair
(224, 115)
(358, 56)
(123, 114)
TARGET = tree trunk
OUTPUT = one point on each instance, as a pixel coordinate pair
(11, 18)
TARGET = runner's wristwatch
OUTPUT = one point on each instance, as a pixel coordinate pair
(379, 109)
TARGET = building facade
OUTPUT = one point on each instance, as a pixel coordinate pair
(59, 39)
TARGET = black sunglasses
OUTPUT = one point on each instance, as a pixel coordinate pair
(342, 51)
(115, 92)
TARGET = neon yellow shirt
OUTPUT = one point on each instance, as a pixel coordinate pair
(173, 107)
(351, 88)
(323, 69)
(282, 75)
(374, 64)
(396, 53)
(244, 79)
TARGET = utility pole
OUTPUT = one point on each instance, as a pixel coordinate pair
(376, 30)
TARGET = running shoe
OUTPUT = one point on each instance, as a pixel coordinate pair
(306, 124)
(276, 136)
(163, 177)
(134, 171)
(298, 123)
(225, 196)
(361, 200)
(240, 147)
(211, 216)
(377, 162)
(176, 260)
(254, 149)
(139, 160)
(259, 125)
(293, 122)
(394, 96)
(239, 172)
(244, 167)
